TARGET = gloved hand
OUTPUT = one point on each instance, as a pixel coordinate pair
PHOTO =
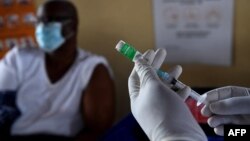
(155, 59)
(161, 113)
(227, 105)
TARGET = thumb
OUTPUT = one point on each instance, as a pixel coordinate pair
(231, 106)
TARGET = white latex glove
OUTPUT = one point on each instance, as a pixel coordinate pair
(227, 105)
(161, 113)
(155, 59)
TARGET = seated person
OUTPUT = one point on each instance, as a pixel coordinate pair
(62, 90)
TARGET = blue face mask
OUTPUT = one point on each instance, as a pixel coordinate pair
(49, 36)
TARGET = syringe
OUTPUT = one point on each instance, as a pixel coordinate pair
(131, 53)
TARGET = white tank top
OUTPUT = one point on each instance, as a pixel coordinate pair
(45, 107)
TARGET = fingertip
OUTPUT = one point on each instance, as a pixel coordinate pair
(148, 56)
(179, 67)
(212, 121)
(219, 130)
(217, 120)
(162, 51)
(185, 92)
(176, 71)
(205, 111)
(148, 53)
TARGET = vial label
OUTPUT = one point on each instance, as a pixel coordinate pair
(128, 51)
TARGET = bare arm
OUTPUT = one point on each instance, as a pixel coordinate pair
(98, 104)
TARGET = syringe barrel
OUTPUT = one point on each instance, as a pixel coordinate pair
(176, 85)
(195, 95)
(199, 98)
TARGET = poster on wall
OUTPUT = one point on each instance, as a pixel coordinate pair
(195, 31)
(17, 24)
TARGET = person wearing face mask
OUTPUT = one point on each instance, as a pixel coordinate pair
(63, 92)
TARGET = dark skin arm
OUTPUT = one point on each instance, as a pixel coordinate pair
(98, 104)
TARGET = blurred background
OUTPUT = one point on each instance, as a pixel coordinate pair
(104, 23)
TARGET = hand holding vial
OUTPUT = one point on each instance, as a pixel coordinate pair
(131, 53)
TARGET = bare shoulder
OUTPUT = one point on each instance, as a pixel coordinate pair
(101, 72)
